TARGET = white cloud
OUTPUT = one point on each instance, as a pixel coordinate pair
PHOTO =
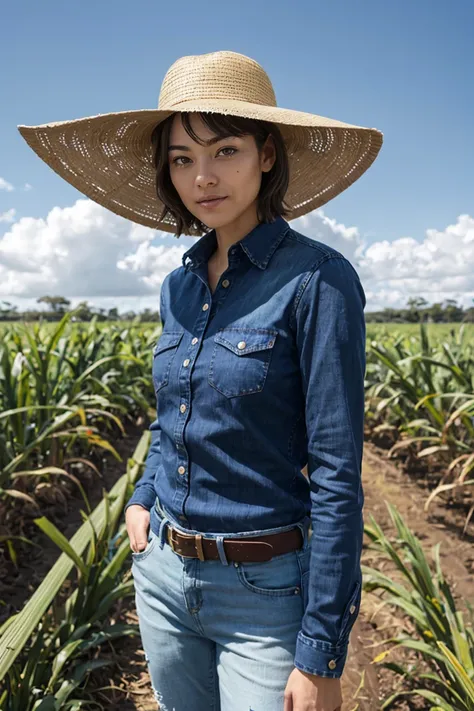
(4, 185)
(438, 268)
(85, 252)
(8, 216)
(27, 186)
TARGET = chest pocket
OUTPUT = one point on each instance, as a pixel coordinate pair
(163, 354)
(240, 360)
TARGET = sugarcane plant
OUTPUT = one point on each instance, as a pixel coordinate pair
(442, 639)
(66, 392)
(53, 669)
(422, 393)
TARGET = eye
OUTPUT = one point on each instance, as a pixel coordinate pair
(229, 148)
(225, 148)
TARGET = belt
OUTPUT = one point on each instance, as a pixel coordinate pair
(250, 549)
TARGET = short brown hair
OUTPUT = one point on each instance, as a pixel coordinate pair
(274, 182)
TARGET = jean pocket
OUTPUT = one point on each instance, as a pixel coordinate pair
(163, 354)
(152, 538)
(276, 577)
(240, 360)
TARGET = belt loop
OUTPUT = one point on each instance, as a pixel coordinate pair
(304, 527)
(221, 551)
(161, 532)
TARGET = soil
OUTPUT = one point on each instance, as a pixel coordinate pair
(62, 505)
(126, 686)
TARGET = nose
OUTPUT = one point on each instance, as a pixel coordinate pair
(204, 175)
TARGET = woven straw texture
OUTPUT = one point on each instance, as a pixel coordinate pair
(109, 157)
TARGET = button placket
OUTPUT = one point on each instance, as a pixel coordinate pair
(185, 398)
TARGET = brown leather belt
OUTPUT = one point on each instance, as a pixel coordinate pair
(252, 549)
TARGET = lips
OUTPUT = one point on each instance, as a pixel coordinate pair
(211, 199)
(211, 202)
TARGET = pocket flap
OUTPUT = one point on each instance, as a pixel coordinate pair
(168, 339)
(246, 340)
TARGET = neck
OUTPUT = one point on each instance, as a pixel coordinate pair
(232, 233)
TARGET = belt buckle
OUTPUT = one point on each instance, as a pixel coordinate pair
(171, 542)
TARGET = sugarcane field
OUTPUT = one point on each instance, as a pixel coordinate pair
(75, 403)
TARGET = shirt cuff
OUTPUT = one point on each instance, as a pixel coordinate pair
(143, 495)
(318, 657)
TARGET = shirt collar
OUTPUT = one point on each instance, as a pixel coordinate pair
(259, 244)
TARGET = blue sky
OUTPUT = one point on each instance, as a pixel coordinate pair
(402, 67)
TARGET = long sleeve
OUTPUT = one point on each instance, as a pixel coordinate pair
(144, 492)
(330, 335)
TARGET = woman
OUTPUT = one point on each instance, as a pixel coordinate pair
(258, 372)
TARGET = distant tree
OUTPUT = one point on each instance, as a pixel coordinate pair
(415, 309)
(113, 315)
(435, 313)
(57, 304)
(83, 311)
(469, 315)
(8, 311)
(453, 313)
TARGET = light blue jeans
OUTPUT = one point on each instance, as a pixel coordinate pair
(218, 635)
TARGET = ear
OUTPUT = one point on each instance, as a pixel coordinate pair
(268, 155)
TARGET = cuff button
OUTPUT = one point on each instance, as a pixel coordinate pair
(352, 609)
(332, 664)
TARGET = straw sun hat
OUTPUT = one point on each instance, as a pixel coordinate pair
(108, 157)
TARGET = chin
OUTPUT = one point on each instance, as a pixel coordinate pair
(215, 221)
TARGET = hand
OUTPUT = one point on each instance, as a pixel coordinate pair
(309, 692)
(137, 520)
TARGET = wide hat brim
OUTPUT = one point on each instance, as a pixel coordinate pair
(109, 159)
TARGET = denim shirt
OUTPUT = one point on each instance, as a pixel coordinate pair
(253, 382)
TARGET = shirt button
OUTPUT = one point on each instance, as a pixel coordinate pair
(186, 362)
(182, 408)
(205, 307)
(181, 470)
(241, 345)
(225, 283)
(194, 341)
(353, 609)
(332, 664)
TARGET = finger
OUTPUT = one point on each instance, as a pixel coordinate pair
(288, 702)
(137, 545)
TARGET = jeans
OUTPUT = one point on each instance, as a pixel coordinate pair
(219, 635)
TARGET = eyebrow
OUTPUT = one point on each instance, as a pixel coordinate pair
(210, 142)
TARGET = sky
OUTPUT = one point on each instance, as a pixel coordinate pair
(403, 67)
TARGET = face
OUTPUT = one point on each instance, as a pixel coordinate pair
(230, 168)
